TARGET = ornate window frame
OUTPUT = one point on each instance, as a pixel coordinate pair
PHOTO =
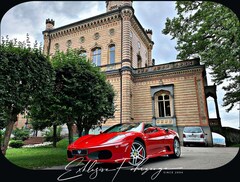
(57, 46)
(69, 43)
(111, 32)
(162, 103)
(96, 36)
(97, 55)
(110, 55)
(139, 60)
(157, 91)
(82, 39)
(82, 53)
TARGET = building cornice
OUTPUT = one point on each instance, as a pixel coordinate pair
(112, 72)
(99, 20)
(85, 24)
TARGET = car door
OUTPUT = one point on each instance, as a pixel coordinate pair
(155, 140)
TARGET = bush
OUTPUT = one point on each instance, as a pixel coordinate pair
(48, 135)
(21, 134)
(16, 143)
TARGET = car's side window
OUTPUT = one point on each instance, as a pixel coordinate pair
(146, 126)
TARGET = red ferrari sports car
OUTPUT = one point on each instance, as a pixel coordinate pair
(127, 142)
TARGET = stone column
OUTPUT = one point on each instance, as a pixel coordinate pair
(46, 45)
(126, 69)
(150, 47)
(150, 55)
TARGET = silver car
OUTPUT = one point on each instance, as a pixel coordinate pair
(194, 135)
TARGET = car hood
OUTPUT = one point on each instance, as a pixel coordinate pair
(94, 140)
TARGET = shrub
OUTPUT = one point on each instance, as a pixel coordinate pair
(48, 135)
(16, 143)
(21, 134)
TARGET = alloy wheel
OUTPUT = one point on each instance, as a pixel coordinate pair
(138, 154)
(177, 149)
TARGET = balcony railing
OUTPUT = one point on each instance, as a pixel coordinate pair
(168, 66)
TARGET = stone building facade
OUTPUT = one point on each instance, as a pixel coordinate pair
(169, 95)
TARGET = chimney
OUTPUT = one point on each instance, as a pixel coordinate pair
(149, 33)
(49, 24)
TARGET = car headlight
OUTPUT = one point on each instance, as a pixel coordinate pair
(115, 139)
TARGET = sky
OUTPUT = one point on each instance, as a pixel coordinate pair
(29, 17)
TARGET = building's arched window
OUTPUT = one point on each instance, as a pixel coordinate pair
(211, 107)
(96, 56)
(164, 104)
(139, 61)
(112, 54)
(82, 53)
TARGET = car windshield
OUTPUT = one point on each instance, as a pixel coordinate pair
(126, 127)
(192, 130)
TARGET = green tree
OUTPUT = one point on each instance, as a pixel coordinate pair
(43, 113)
(212, 31)
(83, 95)
(25, 75)
(2, 125)
(102, 111)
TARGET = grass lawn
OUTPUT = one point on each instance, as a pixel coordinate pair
(39, 157)
(235, 145)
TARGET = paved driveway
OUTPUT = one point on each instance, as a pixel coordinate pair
(196, 158)
(191, 158)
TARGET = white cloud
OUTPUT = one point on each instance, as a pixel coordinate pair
(30, 17)
(152, 15)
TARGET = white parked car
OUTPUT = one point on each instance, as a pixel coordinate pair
(194, 135)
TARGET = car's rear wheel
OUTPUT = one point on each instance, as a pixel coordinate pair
(176, 149)
(138, 153)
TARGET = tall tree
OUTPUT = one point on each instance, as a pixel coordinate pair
(211, 31)
(46, 114)
(82, 94)
(42, 114)
(25, 75)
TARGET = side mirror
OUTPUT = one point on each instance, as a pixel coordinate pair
(166, 129)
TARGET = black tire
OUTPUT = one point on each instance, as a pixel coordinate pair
(176, 149)
(137, 154)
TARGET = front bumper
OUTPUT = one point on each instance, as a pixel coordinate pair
(111, 153)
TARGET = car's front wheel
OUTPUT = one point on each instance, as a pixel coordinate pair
(138, 153)
(176, 149)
